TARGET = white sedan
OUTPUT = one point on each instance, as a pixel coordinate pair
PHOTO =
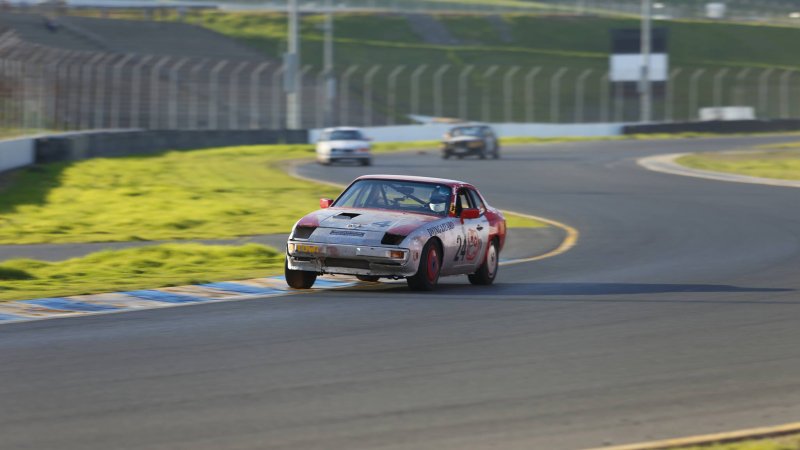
(342, 144)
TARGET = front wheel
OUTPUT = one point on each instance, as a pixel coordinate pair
(488, 270)
(298, 279)
(366, 162)
(430, 265)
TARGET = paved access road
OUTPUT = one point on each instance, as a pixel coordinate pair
(677, 313)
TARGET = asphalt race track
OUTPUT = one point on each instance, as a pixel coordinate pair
(677, 313)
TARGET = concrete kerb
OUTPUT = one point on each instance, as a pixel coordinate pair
(709, 439)
(668, 164)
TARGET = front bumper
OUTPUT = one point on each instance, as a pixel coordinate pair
(347, 259)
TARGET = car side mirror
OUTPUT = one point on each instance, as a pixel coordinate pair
(326, 203)
(470, 213)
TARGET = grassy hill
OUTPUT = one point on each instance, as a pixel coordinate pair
(569, 40)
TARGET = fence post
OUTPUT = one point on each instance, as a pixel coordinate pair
(344, 95)
(101, 73)
(508, 93)
(213, 100)
(136, 91)
(174, 71)
(718, 86)
(555, 94)
(368, 94)
(415, 88)
(739, 91)
(579, 92)
(300, 79)
(763, 91)
(485, 105)
(276, 92)
(233, 96)
(85, 113)
(155, 98)
(437, 90)
(392, 94)
(194, 96)
(669, 105)
(463, 92)
(785, 113)
(530, 107)
(322, 97)
(693, 113)
(116, 90)
(255, 95)
(604, 98)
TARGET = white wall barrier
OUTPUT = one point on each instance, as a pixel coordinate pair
(16, 153)
(434, 131)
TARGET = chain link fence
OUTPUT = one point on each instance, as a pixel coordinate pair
(57, 90)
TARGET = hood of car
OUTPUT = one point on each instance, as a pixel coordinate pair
(463, 139)
(352, 145)
(375, 220)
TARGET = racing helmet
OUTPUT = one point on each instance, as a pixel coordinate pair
(439, 198)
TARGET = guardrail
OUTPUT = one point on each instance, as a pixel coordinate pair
(15, 153)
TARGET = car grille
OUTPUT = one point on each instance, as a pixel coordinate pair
(347, 263)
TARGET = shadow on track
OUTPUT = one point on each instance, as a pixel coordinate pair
(595, 289)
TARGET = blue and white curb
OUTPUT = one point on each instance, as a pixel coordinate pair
(83, 305)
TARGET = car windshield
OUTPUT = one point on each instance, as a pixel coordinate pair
(466, 131)
(344, 135)
(398, 195)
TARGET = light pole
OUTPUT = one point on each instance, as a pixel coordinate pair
(291, 74)
(330, 77)
(645, 93)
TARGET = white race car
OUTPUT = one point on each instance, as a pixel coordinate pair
(387, 226)
(342, 144)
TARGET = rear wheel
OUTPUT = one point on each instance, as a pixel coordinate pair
(298, 279)
(496, 152)
(430, 265)
(482, 154)
(366, 162)
(368, 278)
(488, 270)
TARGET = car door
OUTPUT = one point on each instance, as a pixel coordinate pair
(474, 233)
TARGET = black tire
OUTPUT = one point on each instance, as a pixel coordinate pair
(446, 155)
(368, 278)
(366, 162)
(496, 153)
(298, 279)
(488, 270)
(430, 265)
(482, 154)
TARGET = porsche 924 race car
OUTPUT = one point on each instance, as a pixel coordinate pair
(387, 226)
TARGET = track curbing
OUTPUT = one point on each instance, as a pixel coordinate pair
(708, 439)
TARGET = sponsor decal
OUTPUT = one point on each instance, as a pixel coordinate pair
(354, 225)
(383, 224)
(441, 228)
(473, 245)
(347, 233)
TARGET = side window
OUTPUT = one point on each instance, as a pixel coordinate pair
(476, 200)
(462, 201)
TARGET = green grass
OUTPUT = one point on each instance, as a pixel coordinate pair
(213, 193)
(137, 268)
(779, 164)
(783, 443)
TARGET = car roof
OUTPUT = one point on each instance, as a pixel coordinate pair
(342, 129)
(445, 181)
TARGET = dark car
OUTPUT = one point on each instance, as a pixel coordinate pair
(467, 140)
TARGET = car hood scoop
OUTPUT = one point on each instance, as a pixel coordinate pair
(346, 216)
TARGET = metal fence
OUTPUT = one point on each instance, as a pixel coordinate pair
(42, 88)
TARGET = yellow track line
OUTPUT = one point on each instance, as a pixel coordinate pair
(716, 438)
(569, 241)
